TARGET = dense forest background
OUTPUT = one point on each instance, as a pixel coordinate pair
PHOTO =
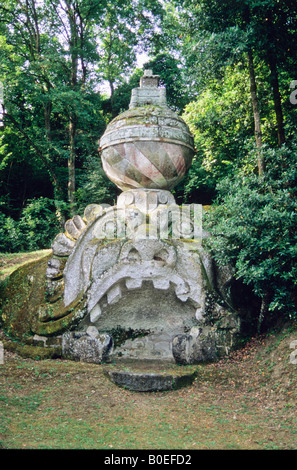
(68, 67)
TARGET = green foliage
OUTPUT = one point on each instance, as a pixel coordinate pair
(9, 238)
(39, 223)
(253, 227)
(172, 77)
(54, 57)
(96, 188)
(120, 100)
(221, 123)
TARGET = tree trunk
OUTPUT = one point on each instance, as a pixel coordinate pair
(73, 43)
(47, 109)
(257, 121)
(263, 310)
(71, 163)
(277, 99)
(272, 62)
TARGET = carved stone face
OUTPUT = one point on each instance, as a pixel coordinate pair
(152, 292)
(137, 285)
(98, 270)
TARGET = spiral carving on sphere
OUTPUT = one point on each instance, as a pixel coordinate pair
(147, 147)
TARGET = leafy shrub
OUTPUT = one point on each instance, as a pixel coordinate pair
(96, 187)
(253, 226)
(38, 225)
(9, 237)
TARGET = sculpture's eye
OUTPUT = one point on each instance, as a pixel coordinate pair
(161, 256)
(134, 255)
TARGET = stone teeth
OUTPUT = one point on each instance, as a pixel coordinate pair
(182, 297)
(199, 314)
(95, 313)
(195, 332)
(133, 283)
(161, 283)
(114, 294)
(182, 292)
(92, 332)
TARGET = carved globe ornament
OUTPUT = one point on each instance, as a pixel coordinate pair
(149, 145)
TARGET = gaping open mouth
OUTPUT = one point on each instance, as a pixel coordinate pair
(106, 272)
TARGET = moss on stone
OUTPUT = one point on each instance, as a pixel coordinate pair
(32, 352)
(62, 320)
(23, 297)
(120, 335)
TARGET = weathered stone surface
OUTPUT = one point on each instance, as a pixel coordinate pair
(150, 381)
(148, 146)
(94, 210)
(46, 341)
(157, 286)
(86, 347)
(194, 348)
(149, 80)
(74, 227)
(54, 289)
(92, 332)
(155, 345)
(152, 288)
(145, 200)
(146, 260)
(55, 268)
(62, 245)
(40, 339)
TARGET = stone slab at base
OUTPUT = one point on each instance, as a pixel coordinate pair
(154, 378)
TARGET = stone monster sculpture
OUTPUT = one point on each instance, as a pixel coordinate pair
(134, 279)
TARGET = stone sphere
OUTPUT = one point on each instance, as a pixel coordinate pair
(147, 147)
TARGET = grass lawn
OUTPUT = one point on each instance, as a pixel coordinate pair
(245, 402)
(11, 261)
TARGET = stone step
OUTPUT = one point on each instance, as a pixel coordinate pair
(150, 377)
